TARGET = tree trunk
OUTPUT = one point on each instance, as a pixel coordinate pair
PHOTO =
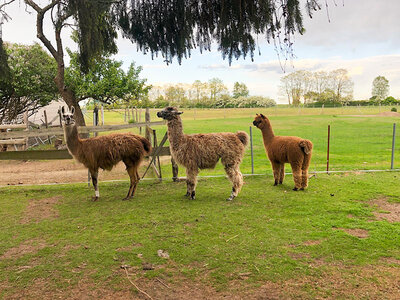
(68, 95)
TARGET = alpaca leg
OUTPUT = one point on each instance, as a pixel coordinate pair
(236, 177)
(276, 168)
(191, 182)
(306, 164)
(282, 173)
(95, 174)
(297, 177)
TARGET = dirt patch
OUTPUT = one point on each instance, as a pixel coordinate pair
(392, 210)
(27, 247)
(370, 282)
(312, 242)
(357, 232)
(39, 210)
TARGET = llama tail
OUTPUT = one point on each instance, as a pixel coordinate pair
(146, 145)
(243, 137)
(306, 146)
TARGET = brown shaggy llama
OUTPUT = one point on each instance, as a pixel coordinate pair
(106, 151)
(285, 149)
(203, 151)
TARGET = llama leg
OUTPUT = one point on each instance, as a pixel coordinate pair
(191, 182)
(132, 171)
(282, 173)
(236, 177)
(95, 175)
(296, 170)
(276, 168)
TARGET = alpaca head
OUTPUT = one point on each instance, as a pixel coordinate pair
(260, 121)
(68, 116)
(169, 113)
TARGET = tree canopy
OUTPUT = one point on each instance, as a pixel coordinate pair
(380, 88)
(105, 81)
(31, 83)
(175, 27)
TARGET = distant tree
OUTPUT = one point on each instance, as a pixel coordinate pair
(200, 91)
(240, 90)
(105, 81)
(342, 85)
(217, 88)
(380, 88)
(175, 95)
(30, 85)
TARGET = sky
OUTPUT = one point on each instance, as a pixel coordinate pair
(362, 36)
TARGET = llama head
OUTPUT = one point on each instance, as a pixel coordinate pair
(68, 116)
(169, 113)
(260, 121)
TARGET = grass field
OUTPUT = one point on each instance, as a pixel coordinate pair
(357, 143)
(327, 242)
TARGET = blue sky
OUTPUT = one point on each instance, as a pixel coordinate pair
(362, 36)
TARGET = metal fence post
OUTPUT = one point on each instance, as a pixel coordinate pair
(393, 143)
(251, 149)
(327, 155)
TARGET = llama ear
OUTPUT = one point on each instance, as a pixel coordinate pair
(63, 110)
(72, 110)
(179, 112)
(262, 116)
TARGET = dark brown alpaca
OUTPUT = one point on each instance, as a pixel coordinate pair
(203, 151)
(286, 149)
(106, 151)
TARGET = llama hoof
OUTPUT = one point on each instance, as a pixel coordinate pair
(230, 198)
(275, 184)
(295, 189)
(193, 195)
(187, 194)
(94, 198)
(127, 198)
(302, 189)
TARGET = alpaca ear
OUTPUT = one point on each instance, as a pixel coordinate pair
(72, 110)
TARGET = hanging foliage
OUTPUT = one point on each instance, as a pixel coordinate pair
(175, 27)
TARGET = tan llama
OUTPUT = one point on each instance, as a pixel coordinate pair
(203, 151)
(106, 151)
(286, 149)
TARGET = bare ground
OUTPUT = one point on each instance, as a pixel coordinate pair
(54, 171)
(385, 210)
(337, 281)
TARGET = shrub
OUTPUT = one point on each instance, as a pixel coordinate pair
(394, 109)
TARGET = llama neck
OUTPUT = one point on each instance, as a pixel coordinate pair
(72, 138)
(267, 133)
(175, 132)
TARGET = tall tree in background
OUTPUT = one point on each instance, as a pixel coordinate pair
(217, 88)
(240, 90)
(172, 28)
(105, 81)
(30, 86)
(380, 88)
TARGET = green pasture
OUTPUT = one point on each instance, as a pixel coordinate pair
(265, 233)
(358, 141)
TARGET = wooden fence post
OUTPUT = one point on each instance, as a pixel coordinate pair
(147, 128)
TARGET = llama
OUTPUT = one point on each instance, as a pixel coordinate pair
(106, 151)
(203, 151)
(286, 149)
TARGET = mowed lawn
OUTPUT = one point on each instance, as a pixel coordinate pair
(338, 239)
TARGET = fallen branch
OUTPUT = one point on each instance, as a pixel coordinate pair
(136, 287)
